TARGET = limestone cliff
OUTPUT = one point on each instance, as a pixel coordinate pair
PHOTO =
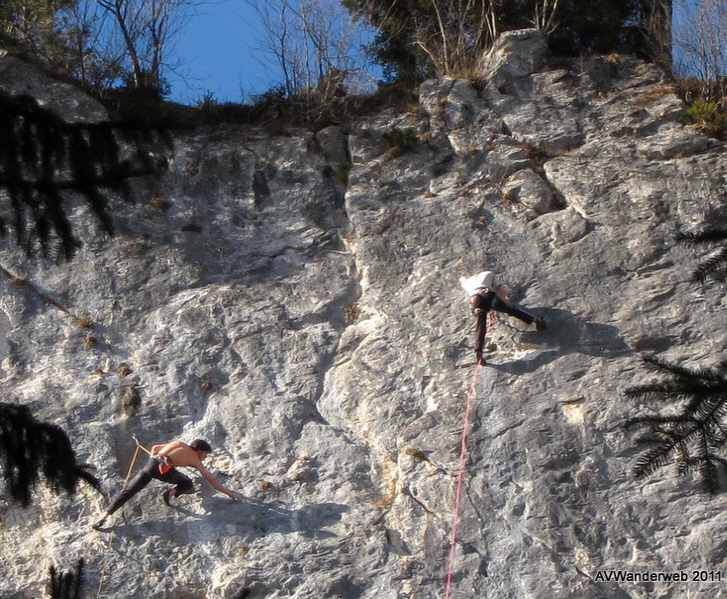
(294, 299)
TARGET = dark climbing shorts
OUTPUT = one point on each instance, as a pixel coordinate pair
(182, 483)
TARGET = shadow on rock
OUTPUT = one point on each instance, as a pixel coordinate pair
(566, 334)
(249, 518)
(264, 518)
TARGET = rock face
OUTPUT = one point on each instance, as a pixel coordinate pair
(306, 319)
(515, 55)
(19, 79)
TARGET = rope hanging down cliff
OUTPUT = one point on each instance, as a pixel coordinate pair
(460, 477)
(102, 574)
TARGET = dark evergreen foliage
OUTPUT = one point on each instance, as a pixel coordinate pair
(66, 585)
(402, 62)
(694, 432)
(598, 27)
(715, 267)
(34, 451)
(43, 159)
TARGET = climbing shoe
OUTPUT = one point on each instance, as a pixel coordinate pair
(166, 495)
(99, 524)
(540, 324)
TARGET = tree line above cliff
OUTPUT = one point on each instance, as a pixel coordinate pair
(419, 38)
(129, 43)
(123, 51)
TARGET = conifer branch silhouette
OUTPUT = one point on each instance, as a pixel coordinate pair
(715, 267)
(44, 160)
(33, 451)
(694, 434)
(66, 585)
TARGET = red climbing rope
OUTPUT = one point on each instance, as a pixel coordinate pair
(460, 478)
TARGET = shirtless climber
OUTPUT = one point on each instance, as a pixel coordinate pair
(162, 465)
(487, 293)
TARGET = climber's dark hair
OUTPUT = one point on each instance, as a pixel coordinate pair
(201, 445)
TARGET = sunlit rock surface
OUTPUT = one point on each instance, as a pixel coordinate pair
(306, 318)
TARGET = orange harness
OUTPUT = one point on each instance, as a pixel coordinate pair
(165, 464)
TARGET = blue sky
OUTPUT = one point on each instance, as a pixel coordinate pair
(217, 49)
